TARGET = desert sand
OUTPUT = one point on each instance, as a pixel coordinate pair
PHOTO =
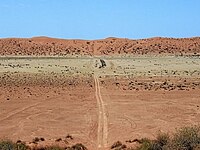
(110, 46)
(47, 92)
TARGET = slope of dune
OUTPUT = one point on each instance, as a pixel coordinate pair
(108, 46)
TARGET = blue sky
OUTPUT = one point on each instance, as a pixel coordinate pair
(96, 19)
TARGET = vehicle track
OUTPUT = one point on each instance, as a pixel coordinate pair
(102, 135)
(13, 113)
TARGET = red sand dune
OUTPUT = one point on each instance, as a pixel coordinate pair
(108, 46)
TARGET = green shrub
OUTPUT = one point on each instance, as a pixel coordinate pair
(162, 139)
(9, 145)
(186, 138)
(78, 146)
(146, 144)
(21, 146)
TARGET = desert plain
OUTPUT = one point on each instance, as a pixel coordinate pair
(97, 92)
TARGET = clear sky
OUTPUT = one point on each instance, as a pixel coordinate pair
(96, 19)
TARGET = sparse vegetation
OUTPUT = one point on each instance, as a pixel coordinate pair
(69, 137)
(58, 140)
(185, 138)
(9, 145)
(51, 148)
(116, 145)
(19, 145)
(36, 139)
(78, 146)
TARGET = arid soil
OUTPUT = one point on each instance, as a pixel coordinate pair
(109, 46)
(49, 112)
(68, 100)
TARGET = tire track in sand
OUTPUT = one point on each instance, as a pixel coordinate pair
(102, 135)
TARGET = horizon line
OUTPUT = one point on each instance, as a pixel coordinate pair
(109, 37)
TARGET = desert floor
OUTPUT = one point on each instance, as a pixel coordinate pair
(132, 97)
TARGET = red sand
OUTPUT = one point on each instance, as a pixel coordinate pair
(109, 46)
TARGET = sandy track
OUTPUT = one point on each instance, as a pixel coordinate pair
(102, 135)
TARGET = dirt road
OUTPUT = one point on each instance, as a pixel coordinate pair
(102, 135)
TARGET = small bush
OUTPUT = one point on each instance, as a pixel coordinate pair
(116, 144)
(21, 146)
(58, 140)
(42, 139)
(186, 138)
(119, 146)
(9, 145)
(146, 144)
(162, 139)
(36, 139)
(78, 146)
(69, 137)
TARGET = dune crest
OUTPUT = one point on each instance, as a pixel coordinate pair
(109, 46)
